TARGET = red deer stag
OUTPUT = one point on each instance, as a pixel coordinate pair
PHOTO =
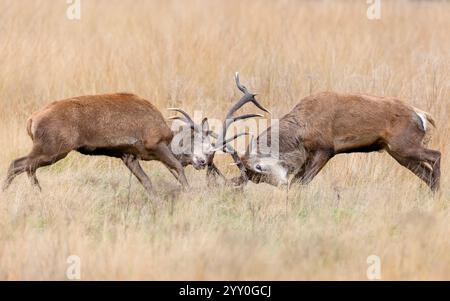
(326, 124)
(118, 125)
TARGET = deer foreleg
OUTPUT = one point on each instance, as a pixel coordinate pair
(136, 169)
(312, 167)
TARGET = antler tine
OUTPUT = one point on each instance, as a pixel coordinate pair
(246, 116)
(214, 135)
(240, 86)
(182, 112)
(224, 144)
(186, 118)
(235, 137)
(192, 126)
(226, 125)
(229, 119)
(178, 118)
(248, 97)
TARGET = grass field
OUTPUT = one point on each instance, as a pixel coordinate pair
(184, 53)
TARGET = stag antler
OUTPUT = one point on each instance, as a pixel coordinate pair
(229, 119)
(186, 119)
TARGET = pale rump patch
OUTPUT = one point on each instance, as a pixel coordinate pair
(33, 128)
(423, 119)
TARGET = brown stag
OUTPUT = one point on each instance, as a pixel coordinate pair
(326, 124)
(117, 125)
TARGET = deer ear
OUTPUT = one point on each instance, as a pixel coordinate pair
(205, 125)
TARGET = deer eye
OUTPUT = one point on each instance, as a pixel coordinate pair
(258, 168)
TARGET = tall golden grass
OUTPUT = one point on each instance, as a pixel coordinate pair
(184, 53)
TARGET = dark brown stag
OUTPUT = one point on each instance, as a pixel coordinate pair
(326, 124)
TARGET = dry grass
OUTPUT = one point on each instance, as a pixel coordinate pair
(184, 53)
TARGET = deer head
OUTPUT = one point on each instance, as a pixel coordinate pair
(192, 143)
(262, 165)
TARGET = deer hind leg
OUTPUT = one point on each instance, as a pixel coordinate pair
(433, 157)
(38, 158)
(165, 155)
(416, 160)
(16, 167)
(133, 165)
